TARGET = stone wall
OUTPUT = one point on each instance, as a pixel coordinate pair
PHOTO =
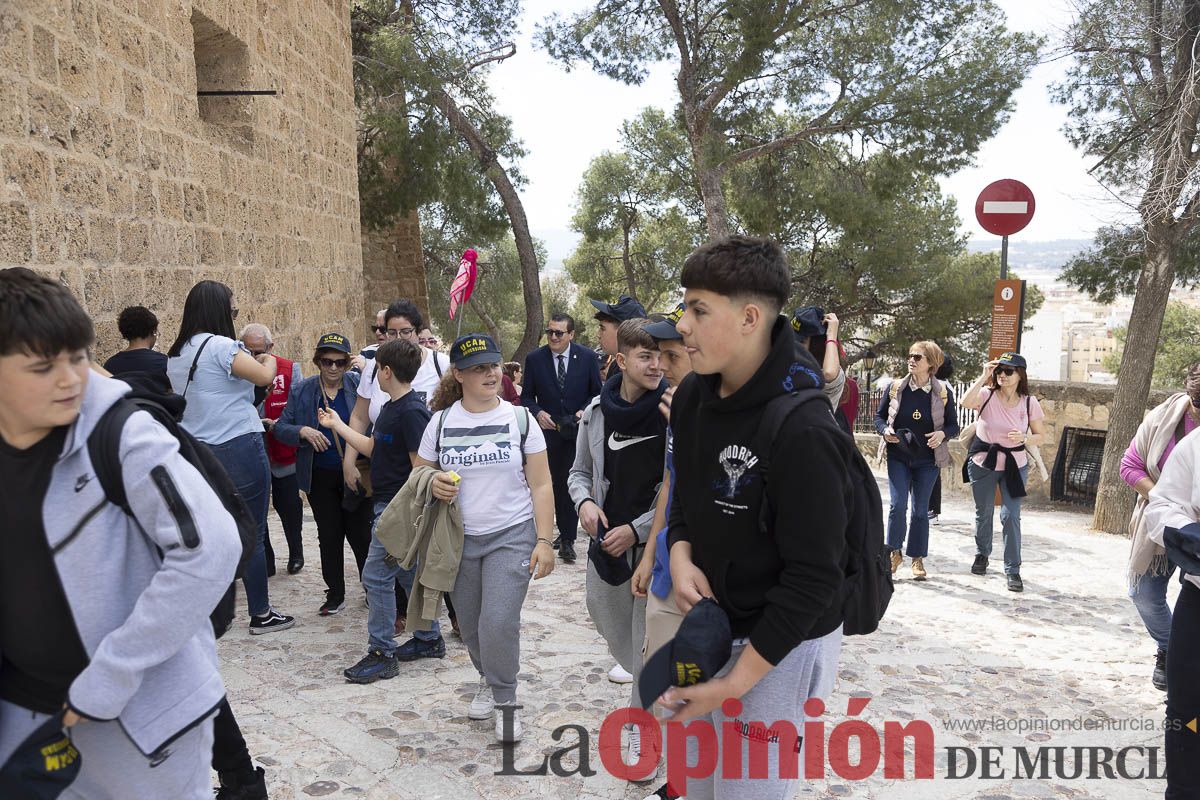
(393, 267)
(119, 180)
(1077, 405)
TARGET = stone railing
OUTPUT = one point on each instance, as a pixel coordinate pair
(1077, 405)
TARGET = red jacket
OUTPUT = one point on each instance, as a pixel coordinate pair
(277, 397)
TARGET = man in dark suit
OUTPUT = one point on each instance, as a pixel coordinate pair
(561, 378)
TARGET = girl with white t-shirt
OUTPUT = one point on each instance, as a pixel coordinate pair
(495, 467)
(1010, 420)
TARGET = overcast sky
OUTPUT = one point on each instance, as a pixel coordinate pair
(565, 119)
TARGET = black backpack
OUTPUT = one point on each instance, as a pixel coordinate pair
(868, 582)
(104, 448)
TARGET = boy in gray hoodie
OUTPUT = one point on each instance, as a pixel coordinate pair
(102, 614)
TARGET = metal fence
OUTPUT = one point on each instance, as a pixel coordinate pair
(1077, 466)
(868, 404)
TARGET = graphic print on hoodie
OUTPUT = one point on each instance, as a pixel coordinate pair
(779, 586)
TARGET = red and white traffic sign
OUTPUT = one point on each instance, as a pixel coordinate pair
(1004, 207)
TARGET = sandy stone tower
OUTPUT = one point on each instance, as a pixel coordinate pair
(125, 178)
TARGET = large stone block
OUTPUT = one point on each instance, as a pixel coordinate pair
(50, 115)
(16, 233)
(80, 183)
(14, 44)
(45, 56)
(27, 173)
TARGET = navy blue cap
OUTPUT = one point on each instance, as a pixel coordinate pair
(1012, 360)
(334, 341)
(1183, 547)
(809, 321)
(625, 308)
(43, 765)
(473, 349)
(701, 647)
(665, 328)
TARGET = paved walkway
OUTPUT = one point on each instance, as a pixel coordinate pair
(953, 649)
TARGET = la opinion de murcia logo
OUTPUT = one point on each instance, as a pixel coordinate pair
(735, 460)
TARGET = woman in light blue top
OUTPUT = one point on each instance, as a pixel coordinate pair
(216, 376)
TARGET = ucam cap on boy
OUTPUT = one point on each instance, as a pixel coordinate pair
(665, 328)
(473, 349)
(625, 308)
(334, 341)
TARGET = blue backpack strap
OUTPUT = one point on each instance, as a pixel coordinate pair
(523, 427)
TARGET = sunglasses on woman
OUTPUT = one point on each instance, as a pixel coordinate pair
(915, 356)
(1006, 370)
(333, 363)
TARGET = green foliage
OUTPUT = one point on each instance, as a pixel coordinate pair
(635, 236)
(930, 79)
(1110, 267)
(408, 156)
(1178, 351)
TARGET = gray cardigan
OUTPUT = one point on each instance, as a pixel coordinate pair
(586, 480)
(140, 592)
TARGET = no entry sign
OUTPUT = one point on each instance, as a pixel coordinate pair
(1004, 207)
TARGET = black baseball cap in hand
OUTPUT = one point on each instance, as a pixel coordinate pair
(43, 766)
(625, 308)
(1183, 547)
(809, 321)
(701, 647)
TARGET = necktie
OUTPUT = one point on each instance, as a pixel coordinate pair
(562, 372)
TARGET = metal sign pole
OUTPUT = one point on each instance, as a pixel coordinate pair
(1004, 258)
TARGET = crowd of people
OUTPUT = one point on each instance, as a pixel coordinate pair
(455, 478)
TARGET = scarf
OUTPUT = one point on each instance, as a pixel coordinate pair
(640, 418)
(1151, 440)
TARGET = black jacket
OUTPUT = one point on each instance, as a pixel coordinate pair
(781, 586)
(539, 388)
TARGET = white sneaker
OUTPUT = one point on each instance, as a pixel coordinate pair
(483, 705)
(618, 675)
(633, 754)
(517, 730)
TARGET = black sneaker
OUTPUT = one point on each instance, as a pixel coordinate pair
(1014, 582)
(270, 622)
(557, 541)
(295, 564)
(414, 648)
(330, 607)
(239, 786)
(980, 565)
(1160, 671)
(375, 666)
(567, 552)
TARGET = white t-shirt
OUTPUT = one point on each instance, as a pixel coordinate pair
(423, 384)
(485, 450)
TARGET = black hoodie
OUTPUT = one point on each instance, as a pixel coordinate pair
(783, 586)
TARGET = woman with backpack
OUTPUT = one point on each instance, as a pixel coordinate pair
(1010, 420)
(1150, 570)
(495, 467)
(216, 376)
(915, 418)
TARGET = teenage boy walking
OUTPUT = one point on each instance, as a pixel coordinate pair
(121, 636)
(392, 448)
(614, 483)
(779, 575)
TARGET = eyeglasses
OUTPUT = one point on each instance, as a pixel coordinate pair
(379, 329)
(257, 353)
(1006, 370)
(392, 333)
(430, 341)
(915, 356)
(553, 334)
(333, 363)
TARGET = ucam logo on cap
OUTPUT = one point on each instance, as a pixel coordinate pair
(676, 315)
(473, 346)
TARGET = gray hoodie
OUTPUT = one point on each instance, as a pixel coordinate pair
(140, 596)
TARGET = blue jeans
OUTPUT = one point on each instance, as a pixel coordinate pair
(379, 579)
(917, 480)
(983, 487)
(245, 460)
(1150, 599)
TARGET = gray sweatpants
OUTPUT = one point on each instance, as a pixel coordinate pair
(808, 671)
(113, 768)
(495, 566)
(621, 620)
